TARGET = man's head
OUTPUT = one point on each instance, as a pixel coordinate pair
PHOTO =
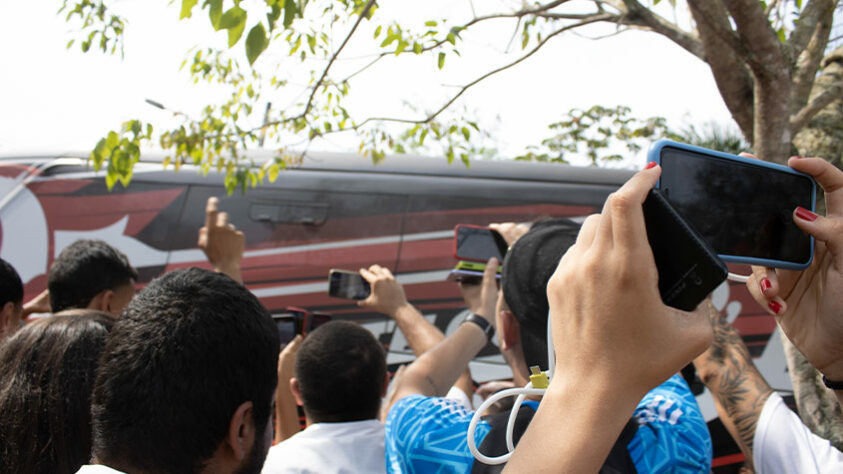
(527, 268)
(187, 379)
(91, 274)
(11, 299)
(340, 373)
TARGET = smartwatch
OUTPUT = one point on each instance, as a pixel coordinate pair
(483, 323)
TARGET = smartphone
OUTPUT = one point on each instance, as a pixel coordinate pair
(742, 207)
(294, 321)
(348, 285)
(478, 244)
(689, 269)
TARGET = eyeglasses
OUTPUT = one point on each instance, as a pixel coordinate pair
(294, 320)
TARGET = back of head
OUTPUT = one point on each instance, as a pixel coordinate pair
(527, 268)
(341, 369)
(186, 353)
(84, 269)
(45, 393)
(11, 286)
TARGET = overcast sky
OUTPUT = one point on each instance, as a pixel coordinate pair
(54, 99)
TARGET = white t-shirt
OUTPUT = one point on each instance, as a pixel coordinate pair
(97, 469)
(783, 444)
(330, 448)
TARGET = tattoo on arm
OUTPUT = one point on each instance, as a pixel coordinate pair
(735, 381)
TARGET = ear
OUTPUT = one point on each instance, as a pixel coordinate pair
(509, 329)
(241, 431)
(7, 315)
(294, 387)
(102, 301)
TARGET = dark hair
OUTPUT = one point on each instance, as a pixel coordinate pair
(528, 266)
(11, 286)
(84, 269)
(48, 370)
(189, 349)
(341, 370)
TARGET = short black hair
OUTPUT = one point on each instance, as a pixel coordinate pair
(84, 269)
(45, 392)
(11, 286)
(527, 268)
(341, 369)
(186, 353)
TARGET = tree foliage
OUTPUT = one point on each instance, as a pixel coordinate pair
(764, 57)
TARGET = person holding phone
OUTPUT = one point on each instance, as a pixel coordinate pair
(808, 306)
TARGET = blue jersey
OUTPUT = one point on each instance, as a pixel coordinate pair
(428, 434)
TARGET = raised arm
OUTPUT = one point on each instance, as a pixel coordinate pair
(808, 304)
(221, 242)
(614, 339)
(437, 369)
(739, 389)
(388, 297)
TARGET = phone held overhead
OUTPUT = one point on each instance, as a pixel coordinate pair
(348, 285)
(741, 206)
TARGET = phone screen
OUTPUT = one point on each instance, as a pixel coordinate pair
(741, 209)
(348, 285)
(286, 324)
(479, 244)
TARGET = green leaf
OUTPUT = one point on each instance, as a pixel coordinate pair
(273, 173)
(377, 31)
(430, 23)
(256, 42)
(233, 20)
(273, 16)
(441, 62)
(466, 133)
(186, 7)
(215, 13)
(781, 33)
(291, 10)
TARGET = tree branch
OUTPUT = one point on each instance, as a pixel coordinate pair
(760, 41)
(334, 56)
(639, 15)
(463, 89)
(808, 59)
(814, 12)
(732, 79)
(834, 92)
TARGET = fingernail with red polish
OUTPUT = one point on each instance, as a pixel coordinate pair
(797, 157)
(775, 306)
(651, 164)
(765, 285)
(805, 214)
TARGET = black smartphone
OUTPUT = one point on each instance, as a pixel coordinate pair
(348, 285)
(478, 244)
(742, 207)
(689, 269)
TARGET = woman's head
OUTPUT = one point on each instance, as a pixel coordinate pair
(47, 372)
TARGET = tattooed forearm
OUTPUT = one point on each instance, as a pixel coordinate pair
(740, 391)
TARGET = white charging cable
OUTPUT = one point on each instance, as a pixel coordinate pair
(738, 278)
(521, 393)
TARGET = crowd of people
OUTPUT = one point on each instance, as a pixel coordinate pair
(189, 374)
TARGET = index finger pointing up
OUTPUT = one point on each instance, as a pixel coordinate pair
(211, 212)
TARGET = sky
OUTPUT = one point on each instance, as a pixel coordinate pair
(53, 99)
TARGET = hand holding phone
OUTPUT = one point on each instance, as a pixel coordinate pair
(742, 207)
(347, 285)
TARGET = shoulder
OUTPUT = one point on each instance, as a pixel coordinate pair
(424, 434)
(672, 433)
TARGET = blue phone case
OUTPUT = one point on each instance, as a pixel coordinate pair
(654, 154)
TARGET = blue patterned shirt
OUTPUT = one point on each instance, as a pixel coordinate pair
(428, 434)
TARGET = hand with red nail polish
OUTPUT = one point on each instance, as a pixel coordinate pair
(808, 304)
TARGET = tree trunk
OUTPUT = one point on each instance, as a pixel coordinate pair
(823, 136)
(818, 407)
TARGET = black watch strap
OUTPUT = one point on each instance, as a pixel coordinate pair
(483, 323)
(832, 384)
